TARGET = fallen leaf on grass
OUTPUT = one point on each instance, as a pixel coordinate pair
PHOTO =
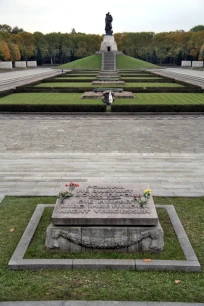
(177, 281)
(147, 260)
(12, 230)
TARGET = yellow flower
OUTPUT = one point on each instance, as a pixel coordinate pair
(147, 191)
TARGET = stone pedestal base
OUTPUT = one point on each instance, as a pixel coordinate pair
(108, 44)
(96, 238)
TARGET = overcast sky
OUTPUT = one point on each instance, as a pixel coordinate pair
(88, 16)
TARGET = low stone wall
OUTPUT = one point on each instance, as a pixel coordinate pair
(186, 64)
(5, 65)
(198, 64)
(31, 64)
(20, 64)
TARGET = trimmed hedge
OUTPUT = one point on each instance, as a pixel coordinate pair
(162, 80)
(53, 89)
(52, 108)
(76, 75)
(157, 108)
(67, 80)
(188, 89)
(165, 89)
(6, 92)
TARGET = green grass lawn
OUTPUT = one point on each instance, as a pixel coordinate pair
(89, 62)
(47, 98)
(107, 285)
(78, 75)
(89, 84)
(128, 62)
(163, 98)
(75, 78)
(74, 98)
(142, 77)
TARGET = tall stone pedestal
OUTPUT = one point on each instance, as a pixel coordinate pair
(105, 218)
(108, 44)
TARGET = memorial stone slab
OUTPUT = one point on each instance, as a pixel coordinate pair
(20, 64)
(31, 64)
(105, 205)
(5, 65)
(198, 64)
(186, 63)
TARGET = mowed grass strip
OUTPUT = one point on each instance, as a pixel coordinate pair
(96, 285)
(163, 98)
(75, 78)
(47, 98)
(141, 78)
(89, 84)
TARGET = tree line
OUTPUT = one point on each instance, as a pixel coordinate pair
(57, 48)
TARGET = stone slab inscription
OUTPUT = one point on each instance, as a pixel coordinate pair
(104, 205)
(103, 200)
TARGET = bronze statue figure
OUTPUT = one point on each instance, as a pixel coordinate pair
(108, 27)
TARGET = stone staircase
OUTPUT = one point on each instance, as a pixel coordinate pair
(192, 79)
(13, 79)
(108, 61)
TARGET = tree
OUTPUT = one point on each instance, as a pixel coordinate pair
(201, 54)
(53, 45)
(16, 30)
(28, 45)
(5, 28)
(4, 51)
(41, 47)
(197, 28)
(15, 54)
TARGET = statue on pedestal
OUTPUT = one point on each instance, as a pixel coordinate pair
(108, 22)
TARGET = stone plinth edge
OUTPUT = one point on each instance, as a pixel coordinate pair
(17, 261)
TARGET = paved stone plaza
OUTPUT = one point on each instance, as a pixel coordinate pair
(39, 153)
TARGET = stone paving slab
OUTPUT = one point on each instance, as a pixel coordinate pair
(167, 174)
(87, 134)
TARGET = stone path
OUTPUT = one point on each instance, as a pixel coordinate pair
(191, 76)
(10, 80)
(40, 153)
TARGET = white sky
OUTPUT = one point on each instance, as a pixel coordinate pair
(88, 16)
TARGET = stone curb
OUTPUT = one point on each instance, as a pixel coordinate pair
(17, 262)
(108, 114)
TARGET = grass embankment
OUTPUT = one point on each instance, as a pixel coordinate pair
(128, 62)
(89, 84)
(98, 285)
(89, 62)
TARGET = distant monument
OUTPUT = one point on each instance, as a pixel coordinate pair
(108, 44)
(108, 21)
